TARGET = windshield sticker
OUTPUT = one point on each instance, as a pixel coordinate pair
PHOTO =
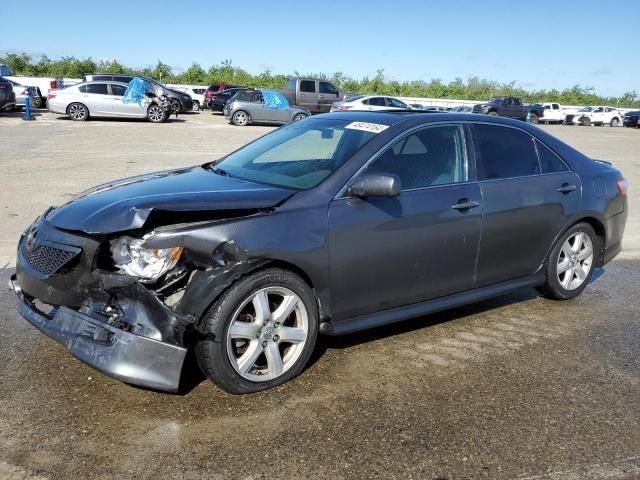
(367, 127)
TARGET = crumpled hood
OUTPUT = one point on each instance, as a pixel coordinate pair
(126, 204)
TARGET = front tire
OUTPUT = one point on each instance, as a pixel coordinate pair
(78, 112)
(533, 118)
(571, 263)
(240, 118)
(156, 114)
(260, 333)
(585, 122)
(196, 106)
(614, 122)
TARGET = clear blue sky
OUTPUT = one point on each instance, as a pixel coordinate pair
(539, 44)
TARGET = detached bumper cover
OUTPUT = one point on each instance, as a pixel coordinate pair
(122, 355)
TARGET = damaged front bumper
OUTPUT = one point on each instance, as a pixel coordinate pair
(122, 355)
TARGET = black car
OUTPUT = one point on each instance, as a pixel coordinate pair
(181, 101)
(7, 95)
(333, 224)
(220, 99)
(630, 119)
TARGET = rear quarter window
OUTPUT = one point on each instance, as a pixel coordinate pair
(549, 161)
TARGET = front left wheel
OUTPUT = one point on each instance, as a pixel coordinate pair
(260, 333)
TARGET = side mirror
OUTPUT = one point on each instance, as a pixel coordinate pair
(375, 185)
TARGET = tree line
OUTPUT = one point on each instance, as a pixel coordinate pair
(473, 88)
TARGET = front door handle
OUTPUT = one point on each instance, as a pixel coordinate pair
(465, 204)
(566, 188)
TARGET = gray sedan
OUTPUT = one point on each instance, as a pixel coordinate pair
(262, 106)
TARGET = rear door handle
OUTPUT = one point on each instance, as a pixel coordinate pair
(566, 188)
(464, 204)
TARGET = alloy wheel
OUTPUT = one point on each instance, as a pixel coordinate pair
(77, 112)
(240, 118)
(155, 113)
(267, 334)
(575, 260)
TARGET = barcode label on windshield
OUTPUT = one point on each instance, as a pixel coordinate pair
(367, 127)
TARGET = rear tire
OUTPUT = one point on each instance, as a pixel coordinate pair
(78, 112)
(533, 118)
(240, 118)
(196, 106)
(571, 263)
(264, 327)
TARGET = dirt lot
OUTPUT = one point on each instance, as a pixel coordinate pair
(516, 387)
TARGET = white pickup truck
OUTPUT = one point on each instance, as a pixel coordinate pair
(595, 116)
(553, 113)
(42, 84)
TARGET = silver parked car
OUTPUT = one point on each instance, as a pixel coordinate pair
(262, 106)
(101, 99)
(23, 92)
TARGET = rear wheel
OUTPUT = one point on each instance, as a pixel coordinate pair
(571, 263)
(196, 106)
(176, 107)
(260, 333)
(240, 118)
(533, 118)
(614, 122)
(78, 112)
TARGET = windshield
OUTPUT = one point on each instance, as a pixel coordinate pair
(586, 109)
(300, 155)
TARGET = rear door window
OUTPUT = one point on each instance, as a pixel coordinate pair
(99, 88)
(308, 86)
(377, 101)
(504, 152)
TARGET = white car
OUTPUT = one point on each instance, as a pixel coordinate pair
(369, 102)
(553, 113)
(595, 116)
(101, 99)
(197, 94)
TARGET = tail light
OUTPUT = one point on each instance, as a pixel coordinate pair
(622, 187)
(345, 107)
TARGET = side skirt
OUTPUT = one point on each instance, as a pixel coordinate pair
(399, 314)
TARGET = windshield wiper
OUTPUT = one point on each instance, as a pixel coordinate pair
(220, 171)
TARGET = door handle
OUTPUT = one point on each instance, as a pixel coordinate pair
(465, 204)
(566, 188)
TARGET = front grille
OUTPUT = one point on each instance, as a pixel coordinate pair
(46, 259)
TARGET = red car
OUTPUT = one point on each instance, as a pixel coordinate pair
(213, 89)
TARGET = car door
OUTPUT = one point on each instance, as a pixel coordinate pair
(524, 208)
(598, 115)
(375, 103)
(327, 94)
(386, 252)
(121, 109)
(517, 109)
(308, 95)
(96, 97)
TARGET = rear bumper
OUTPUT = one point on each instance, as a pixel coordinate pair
(122, 355)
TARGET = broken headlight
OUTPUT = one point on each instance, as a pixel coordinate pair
(147, 263)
